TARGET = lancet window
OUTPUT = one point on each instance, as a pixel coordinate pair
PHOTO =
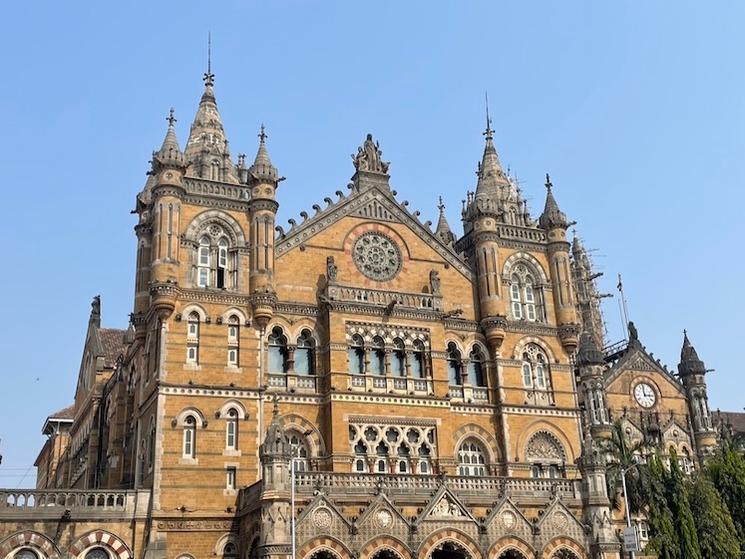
(454, 365)
(525, 297)
(298, 451)
(234, 341)
(305, 354)
(216, 264)
(476, 367)
(231, 430)
(392, 448)
(278, 353)
(535, 368)
(357, 355)
(190, 437)
(192, 338)
(471, 459)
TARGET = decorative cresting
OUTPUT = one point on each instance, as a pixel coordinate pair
(29, 539)
(376, 256)
(103, 539)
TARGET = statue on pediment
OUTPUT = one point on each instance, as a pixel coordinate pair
(369, 157)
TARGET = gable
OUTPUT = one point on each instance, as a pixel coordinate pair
(506, 518)
(445, 507)
(321, 515)
(376, 204)
(558, 520)
(636, 360)
(382, 516)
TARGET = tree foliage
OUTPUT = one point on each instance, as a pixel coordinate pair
(623, 455)
(717, 536)
(677, 500)
(664, 538)
(727, 472)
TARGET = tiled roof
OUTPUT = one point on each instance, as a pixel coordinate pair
(64, 413)
(112, 340)
(735, 419)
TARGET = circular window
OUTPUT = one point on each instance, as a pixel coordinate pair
(376, 256)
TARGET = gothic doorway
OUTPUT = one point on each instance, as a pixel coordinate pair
(449, 550)
(512, 554)
(564, 554)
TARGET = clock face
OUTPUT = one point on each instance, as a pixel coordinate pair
(645, 395)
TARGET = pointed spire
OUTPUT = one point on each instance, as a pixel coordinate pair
(275, 443)
(552, 216)
(169, 155)
(490, 174)
(690, 363)
(262, 169)
(443, 230)
(207, 147)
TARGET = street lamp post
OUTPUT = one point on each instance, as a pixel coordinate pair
(626, 500)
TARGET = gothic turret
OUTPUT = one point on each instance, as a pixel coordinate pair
(443, 231)
(207, 149)
(587, 295)
(591, 365)
(554, 221)
(692, 372)
(492, 180)
(169, 157)
(275, 455)
(263, 180)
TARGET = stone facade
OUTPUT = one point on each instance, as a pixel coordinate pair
(428, 387)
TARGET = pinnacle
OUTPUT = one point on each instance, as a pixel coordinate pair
(443, 230)
(262, 168)
(552, 216)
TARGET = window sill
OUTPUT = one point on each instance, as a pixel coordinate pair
(230, 492)
(233, 369)
(231, 452)
(192, 367)
(189, 461)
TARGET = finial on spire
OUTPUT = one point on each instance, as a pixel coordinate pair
(441, 205)
(489, 133)
(262, 134)
(209, 77)
(549, 184)
(171, 118)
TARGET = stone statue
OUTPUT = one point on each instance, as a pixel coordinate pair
(633, 333)
(369, 157)
(434, 282)
(96, 305)
(331, 269)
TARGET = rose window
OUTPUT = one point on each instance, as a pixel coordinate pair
(376, 256)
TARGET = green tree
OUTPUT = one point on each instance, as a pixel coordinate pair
(623, 455)
(677, 500)
(664, 538)
(717, 536)
(727, 471)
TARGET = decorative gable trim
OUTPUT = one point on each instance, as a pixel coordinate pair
(636, 358)
(445, 506)
(372, 203)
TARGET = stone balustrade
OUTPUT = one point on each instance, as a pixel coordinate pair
(212, 188)
(33, 502)
(422, 301)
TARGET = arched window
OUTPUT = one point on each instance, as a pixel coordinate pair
(535, 368)
(190, 437)
(26, 554)
(425, 453)
(398, 359)
(203, 264)
(476, 368)
(357, 355)
(545, 455)
(417, 359)
(382, 451)
(277, 351)
(471, 459)
(454, 365)
(524, 302)
(234, 341)
(192, 338)
(222, 263)
(231, 430)
(305, 354)
(377, 356)
(360, 455)
(97, 553)
(298, 450)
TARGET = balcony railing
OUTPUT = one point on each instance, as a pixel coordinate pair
(293, 383)
(467, 393)
(35, 501)
(390, 384)
(423, 301)
(308, 482)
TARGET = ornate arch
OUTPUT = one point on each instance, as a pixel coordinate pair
(448, 535)
(178, 421)
(232, 404)
(296, 422)
(562, 542)
(472, 430)
(229, 224)
(525, 341)
(389, 543)
(324, 543)
(543, 444)
(193, 307)
(550, 428)
(31, 539)
(508, 543)
(223, 540)
(103, 539)
(234, 311)
(529, 260)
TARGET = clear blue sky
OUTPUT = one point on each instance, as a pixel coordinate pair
(635, 108)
